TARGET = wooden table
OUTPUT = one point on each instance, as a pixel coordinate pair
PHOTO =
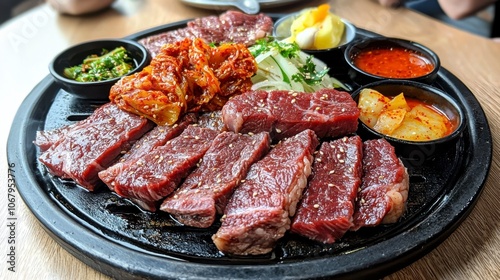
(29, 42)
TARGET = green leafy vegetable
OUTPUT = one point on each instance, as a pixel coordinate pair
(308, 73)
(284, 66)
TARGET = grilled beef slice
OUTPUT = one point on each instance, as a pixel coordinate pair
(93, 144)
(158, 136)
(229, 27)
(205, 192)
(149, 179)
(258, 214)
(212, 120)
(325, 212)
(46, 138)
(384, 187)
(328, 112)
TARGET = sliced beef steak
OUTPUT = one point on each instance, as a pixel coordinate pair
(212, 120)
(258, 213)
(244, 28)
(384, 188)
(92, 145)
(46, 138)
(154, 176)
(158, 136)
(328, 112)
(229, 27)
(205, 192)
(325, 211)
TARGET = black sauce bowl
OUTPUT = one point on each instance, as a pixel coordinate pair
(362, 77)
(332, 56)
(76, 54)
(417, 150)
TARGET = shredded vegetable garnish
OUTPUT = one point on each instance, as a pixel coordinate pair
(283, 66)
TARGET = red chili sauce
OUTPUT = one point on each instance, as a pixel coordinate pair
(399, 63)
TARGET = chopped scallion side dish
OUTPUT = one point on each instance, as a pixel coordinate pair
(107, 65)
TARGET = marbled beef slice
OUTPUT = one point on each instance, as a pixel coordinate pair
(158, 136)
(46, 138)
(205, 192)
(229, 27)
(212, 120)
(325, 212)
(384, 187)
(149, 179)
(92, 145)
(258, 214)
(244, 28)
(328, 112)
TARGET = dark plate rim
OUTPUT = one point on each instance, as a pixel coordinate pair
(118, 261)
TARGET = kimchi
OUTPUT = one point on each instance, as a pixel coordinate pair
(186, 76)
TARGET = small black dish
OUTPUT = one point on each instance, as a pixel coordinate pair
(417, 150)
(333, 56)
(362, 77)
(76, 54)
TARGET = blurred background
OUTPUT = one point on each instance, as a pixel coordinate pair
(11, 8)
(479, 24)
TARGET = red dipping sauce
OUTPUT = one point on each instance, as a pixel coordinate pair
(393, 62)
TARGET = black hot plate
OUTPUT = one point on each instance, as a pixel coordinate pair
(114, 237)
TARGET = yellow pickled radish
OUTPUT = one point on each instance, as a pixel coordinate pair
(317, 28)
(329, 33)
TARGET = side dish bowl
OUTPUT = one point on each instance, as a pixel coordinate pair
(380, 58)
(427, 96)
(334, 55)
(75, 55)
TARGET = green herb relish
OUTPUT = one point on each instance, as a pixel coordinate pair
(109, 65)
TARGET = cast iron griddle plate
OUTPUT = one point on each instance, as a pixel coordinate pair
(111, 235)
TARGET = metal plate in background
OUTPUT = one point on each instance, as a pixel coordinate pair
(213, 5)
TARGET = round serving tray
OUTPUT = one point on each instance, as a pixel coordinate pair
(111, 235)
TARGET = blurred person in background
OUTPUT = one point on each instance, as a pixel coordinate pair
(461, 13)
(79, 7)
(12, 8)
